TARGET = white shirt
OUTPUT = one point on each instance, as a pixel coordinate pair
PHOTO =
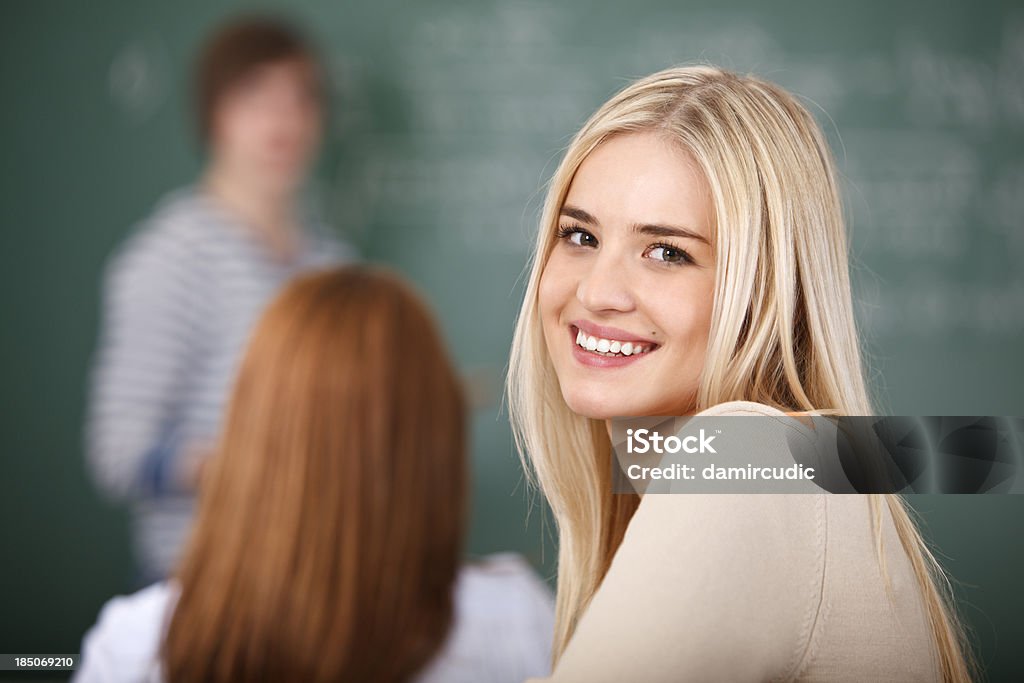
(502, 631)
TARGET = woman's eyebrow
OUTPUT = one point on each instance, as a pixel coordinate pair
(578, 214)
(669, 231)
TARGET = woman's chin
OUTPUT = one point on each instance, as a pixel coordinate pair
(599, 407)
(605, 405)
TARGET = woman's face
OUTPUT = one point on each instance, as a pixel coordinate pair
(625, 297)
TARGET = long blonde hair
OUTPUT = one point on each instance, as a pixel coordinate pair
(330, 524)
(782, 326)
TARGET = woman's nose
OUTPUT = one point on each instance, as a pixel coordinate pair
(605, 286)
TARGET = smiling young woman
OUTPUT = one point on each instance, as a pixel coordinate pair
(692, 259)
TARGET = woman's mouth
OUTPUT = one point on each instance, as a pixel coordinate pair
(607, 352)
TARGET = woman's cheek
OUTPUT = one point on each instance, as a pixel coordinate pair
(548, 305)
(687, 313)
(555, 283)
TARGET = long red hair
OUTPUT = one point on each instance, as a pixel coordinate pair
(330, 522)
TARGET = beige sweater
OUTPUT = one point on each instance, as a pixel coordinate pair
(753, 587)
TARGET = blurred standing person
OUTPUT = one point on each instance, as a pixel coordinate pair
(182, 293)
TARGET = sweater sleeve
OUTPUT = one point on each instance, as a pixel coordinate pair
(148, 338)
(705, 587)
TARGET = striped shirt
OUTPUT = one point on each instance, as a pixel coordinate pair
(180, 297)
(502, 630)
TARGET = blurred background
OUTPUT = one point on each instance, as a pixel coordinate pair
(447, 120)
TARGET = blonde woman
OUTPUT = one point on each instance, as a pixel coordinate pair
(691, 259)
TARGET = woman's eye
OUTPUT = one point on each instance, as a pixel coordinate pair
(668, 254)
(577, 236)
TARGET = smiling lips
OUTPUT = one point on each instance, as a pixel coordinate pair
(607, 347)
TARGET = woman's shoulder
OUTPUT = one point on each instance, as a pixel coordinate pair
(124, 642)
(500, 570)
(782, 523)
(796, 419)
(741, 408)
(778, 523)
(697, 573)
(503, 625)
(504, 588)
(139, 612)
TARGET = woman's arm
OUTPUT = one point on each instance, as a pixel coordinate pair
(706, 587)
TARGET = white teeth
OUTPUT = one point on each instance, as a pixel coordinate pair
(608, 346)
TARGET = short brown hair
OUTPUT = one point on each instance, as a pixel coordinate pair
(330, 522)
(235, 49)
